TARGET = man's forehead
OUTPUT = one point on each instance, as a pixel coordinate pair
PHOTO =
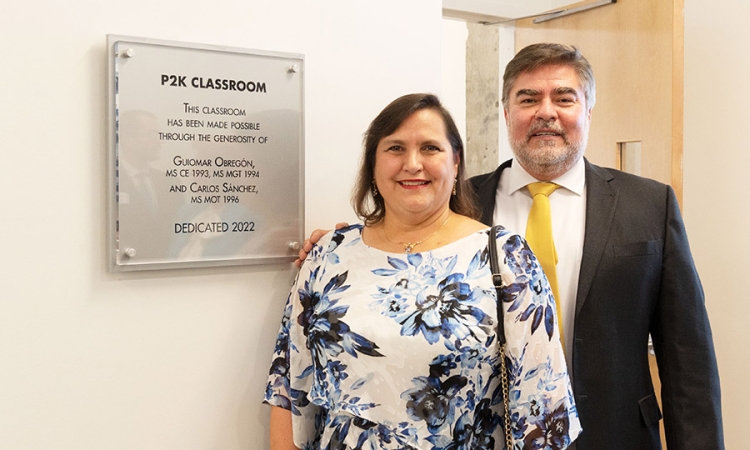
(548, 77)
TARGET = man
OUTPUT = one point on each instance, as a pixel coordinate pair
(624, 268)
(624, 265)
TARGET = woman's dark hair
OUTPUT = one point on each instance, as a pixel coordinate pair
(371, 208)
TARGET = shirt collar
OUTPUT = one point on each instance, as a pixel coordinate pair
(573, 180)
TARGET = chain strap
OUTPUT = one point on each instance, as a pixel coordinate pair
(506, 400)
(497, 280)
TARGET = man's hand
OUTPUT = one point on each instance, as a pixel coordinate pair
(312, 240)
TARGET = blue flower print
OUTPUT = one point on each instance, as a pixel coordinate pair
(328, 335)
(280, 375)
(411, 275)
(282, 340)
(522, 262)
(420, 269)
(336, 373)
(442, 365)
(273, 389)
(298, 398)
(472, 355)
(518, 424)
(551, 432)
(547, 380)
(340, 425)
(475, 434)
(408, 277)
(432, 400)
(338, 237)
(392, 302)
(371, 435)
(450, 313)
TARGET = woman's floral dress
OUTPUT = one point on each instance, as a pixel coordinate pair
(382, 350)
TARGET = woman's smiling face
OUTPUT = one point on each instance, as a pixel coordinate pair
(415, 167)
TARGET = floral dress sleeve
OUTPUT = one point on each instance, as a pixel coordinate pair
(542, 406)
(287, 387)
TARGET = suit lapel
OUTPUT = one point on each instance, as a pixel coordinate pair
(601, 202)
(485, 187)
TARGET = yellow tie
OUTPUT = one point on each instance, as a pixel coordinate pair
(539, 237)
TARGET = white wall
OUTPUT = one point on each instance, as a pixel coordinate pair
(166, 359)
(717, 187)
(453, 87)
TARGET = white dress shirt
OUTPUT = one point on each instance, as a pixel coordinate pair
(568, 210)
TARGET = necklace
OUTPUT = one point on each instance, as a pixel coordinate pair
(409, 246)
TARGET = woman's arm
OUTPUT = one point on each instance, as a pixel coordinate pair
(281, 429)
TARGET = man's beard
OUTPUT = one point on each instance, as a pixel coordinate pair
(548, 159)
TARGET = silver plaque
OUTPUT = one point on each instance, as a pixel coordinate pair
(206, 155)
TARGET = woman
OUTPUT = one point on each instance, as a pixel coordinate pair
(388, 340)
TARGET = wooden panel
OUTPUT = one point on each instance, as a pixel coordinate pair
(635, 49)
(678, 94)
(657, 388)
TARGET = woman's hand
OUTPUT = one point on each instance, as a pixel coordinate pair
(312, 240)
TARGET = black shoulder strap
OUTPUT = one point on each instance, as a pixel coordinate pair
(497, 280)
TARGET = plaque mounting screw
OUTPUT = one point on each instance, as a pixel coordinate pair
(128, 53)
(130, 252)
(294, 246)
(294, 68)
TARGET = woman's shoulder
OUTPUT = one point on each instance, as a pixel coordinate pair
(347, 233)
(504, 236)
(468, 228)
(332, 241)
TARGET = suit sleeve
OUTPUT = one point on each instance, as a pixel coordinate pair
(691, 397)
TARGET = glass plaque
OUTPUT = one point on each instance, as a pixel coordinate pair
(206, 155)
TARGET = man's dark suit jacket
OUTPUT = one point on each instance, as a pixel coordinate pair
(637, 278)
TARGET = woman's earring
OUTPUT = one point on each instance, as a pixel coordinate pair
(455, 181)
(374, 189)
